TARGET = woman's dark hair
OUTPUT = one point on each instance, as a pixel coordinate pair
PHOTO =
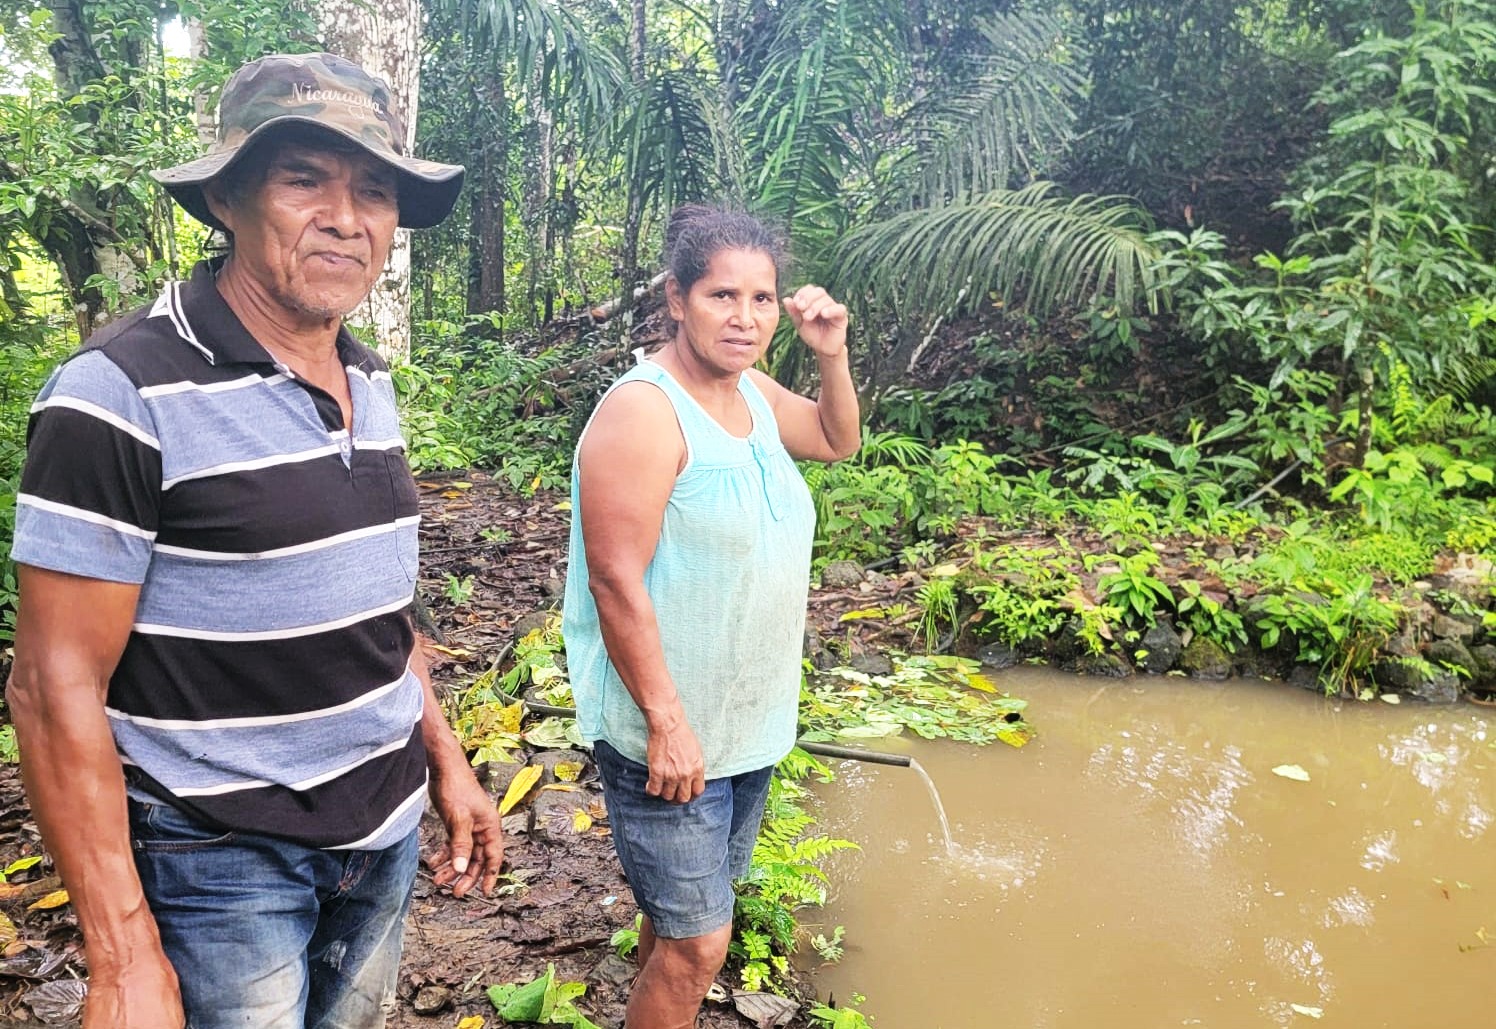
(697, 232)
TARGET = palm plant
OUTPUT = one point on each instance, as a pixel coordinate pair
(1026, 244)
(1004, 114)
(524, 68)
(920, 221)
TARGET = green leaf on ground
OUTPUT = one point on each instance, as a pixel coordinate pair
(544, 1000)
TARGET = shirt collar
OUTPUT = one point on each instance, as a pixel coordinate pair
(204, 319)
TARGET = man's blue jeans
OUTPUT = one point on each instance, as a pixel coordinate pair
(267, 934)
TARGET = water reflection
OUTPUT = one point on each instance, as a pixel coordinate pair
(1433, 753)
(1352, 908)
(1140, 866)
(1200, 788)
(1380, 851)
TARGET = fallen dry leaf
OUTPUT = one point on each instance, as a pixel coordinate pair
(55, 899)
(524, 781)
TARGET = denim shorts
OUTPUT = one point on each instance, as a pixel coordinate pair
(681, 859)
(267, 933)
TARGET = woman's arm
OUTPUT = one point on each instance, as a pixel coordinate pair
(827, 428)
(627, 465)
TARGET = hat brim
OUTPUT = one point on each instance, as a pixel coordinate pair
(427, 189)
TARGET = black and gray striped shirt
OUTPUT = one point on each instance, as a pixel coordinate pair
(266, 685)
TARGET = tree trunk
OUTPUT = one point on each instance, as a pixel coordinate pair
(537, 215)
(1365, 396)
(74, 59)
(385, 39)
(12, 300)
(633, 218)
(488, 209)
(204, 112)
(86, 244)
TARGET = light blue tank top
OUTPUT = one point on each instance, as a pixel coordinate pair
(728, 580)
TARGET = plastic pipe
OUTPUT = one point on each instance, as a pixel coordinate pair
(875, 757)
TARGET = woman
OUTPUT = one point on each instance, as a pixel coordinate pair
(686, 588)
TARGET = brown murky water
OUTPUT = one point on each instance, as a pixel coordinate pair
(1140, 866)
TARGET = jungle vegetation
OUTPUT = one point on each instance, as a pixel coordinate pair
(1150, 270)
(1198, 294)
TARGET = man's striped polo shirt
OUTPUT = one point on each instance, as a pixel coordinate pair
(266, 684)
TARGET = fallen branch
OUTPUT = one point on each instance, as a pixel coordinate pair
(602, 312)
(572, 946)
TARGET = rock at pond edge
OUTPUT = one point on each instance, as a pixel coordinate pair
(1205, 659)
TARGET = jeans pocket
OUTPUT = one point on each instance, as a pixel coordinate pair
(162, 828)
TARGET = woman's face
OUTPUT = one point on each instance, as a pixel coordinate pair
(728, 316)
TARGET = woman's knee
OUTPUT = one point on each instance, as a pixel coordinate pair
(698, 958)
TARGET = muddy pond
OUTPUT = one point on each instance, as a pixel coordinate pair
(1140, 865)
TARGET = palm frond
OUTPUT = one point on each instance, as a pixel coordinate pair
(1026, 244)
(1464, 373)
(545, 35)
(670, 138)
(821, 74)
(1000, 120)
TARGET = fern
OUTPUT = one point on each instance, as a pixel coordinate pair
(1405, 406)
(784, 876)
(1465, 373)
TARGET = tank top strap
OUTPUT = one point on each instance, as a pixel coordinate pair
(686, 408)
(765, 425)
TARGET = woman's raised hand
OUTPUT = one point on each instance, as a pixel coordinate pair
(819, 319)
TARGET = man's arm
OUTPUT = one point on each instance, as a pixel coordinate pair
(70, 632)
(474, 850)
(628, 464)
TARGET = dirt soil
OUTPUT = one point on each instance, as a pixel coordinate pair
(566, 895)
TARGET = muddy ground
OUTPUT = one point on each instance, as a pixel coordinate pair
(565, 896)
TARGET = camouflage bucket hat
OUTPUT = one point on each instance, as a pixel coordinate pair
(334, 94)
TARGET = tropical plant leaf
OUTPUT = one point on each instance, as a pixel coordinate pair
(549, 38)
(55, 899)
(1026, 244)
(1001, 120)
(671, 133)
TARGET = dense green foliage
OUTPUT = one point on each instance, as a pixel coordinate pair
(1303, 350)
(928, 162)
(1166, 314)
(945, 167)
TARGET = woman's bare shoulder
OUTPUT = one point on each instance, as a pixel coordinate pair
(635, 421)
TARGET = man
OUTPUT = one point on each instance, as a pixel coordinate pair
(225, 722)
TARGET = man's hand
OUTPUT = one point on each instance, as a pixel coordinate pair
(677, 768)
(474, 850)
(140, 994)
(475, 840)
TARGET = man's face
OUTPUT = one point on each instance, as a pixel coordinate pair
(313, 230)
